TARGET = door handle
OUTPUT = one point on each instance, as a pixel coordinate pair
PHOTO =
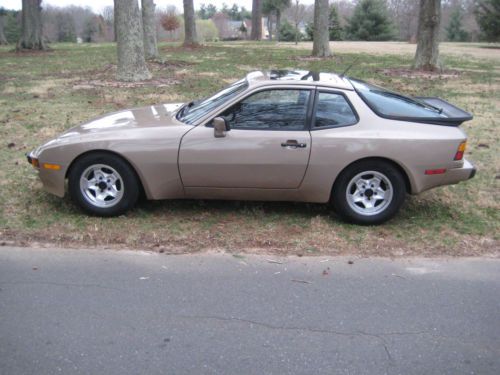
(292, 143)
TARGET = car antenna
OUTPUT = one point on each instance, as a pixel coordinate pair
(348, 68)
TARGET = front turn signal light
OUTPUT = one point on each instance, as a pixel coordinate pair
(54, 167)
(460, 151)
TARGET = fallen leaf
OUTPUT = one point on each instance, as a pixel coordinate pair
(273, 261)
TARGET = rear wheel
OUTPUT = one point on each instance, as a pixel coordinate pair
(369, 192)
(103, 184)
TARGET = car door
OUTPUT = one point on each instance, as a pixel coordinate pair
(267, 147)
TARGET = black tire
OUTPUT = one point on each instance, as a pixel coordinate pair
(368, 170)
(125, 187)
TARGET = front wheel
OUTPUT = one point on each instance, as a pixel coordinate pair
(369, 192)
(103, 184)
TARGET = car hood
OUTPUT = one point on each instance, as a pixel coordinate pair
(151, 116)
(116, 124)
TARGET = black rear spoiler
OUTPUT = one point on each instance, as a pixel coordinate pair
(454, 116)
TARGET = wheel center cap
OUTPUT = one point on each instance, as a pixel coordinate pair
(369, 193)
(102, 185)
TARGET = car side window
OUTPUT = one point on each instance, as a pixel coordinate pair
(333, 110)
(277, 109)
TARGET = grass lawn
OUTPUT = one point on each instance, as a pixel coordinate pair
(42, 94)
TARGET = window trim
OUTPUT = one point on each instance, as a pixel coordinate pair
(196, 122)
(316, 101)
(309, 111)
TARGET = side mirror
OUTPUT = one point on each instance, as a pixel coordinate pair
(220, 127)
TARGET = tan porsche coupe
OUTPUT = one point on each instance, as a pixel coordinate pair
(276, 135)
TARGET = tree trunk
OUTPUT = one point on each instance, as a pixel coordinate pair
(31, 24)
(321, 42)
(270, 26)
(278, 24)
(149, 26)
(190, 37)
(130, 42)
(427, 55)
(114, 27)
(256, 33)
(3, 39)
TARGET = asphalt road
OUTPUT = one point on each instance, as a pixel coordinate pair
(121, 312)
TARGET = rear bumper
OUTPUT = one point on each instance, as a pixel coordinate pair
(450, 177)
(467, 172)
(473, 172)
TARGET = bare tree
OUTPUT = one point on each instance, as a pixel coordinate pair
(427, 55)
(405, 17)
(275, 7)
(149, 26)
(80, 17)
(130, 42)
(190, 36)
(3, 39)
(170, 22)
(298, 14)
(321, 43)
(256, 33)
(108, 14)
(31, 25)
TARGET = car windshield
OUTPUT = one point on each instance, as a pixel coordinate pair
(193, 111)
(388, 103)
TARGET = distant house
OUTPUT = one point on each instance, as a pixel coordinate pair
(302, 27)
(236, 30)
(229, 29)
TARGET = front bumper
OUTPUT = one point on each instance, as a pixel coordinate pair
(32, 160)
(52, 180)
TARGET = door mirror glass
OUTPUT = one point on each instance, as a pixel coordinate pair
(220, 127)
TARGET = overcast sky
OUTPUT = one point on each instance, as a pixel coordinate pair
(97, 5)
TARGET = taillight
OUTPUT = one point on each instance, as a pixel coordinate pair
(460, 151)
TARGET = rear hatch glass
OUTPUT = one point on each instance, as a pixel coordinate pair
(392, 105)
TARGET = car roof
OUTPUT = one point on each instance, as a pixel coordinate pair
(303, 77)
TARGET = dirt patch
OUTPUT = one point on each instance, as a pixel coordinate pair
(105, 78)
(183, 48)
(92, 84)
(26, 53)
(315, 58)
(174, 64)
(421, 74)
